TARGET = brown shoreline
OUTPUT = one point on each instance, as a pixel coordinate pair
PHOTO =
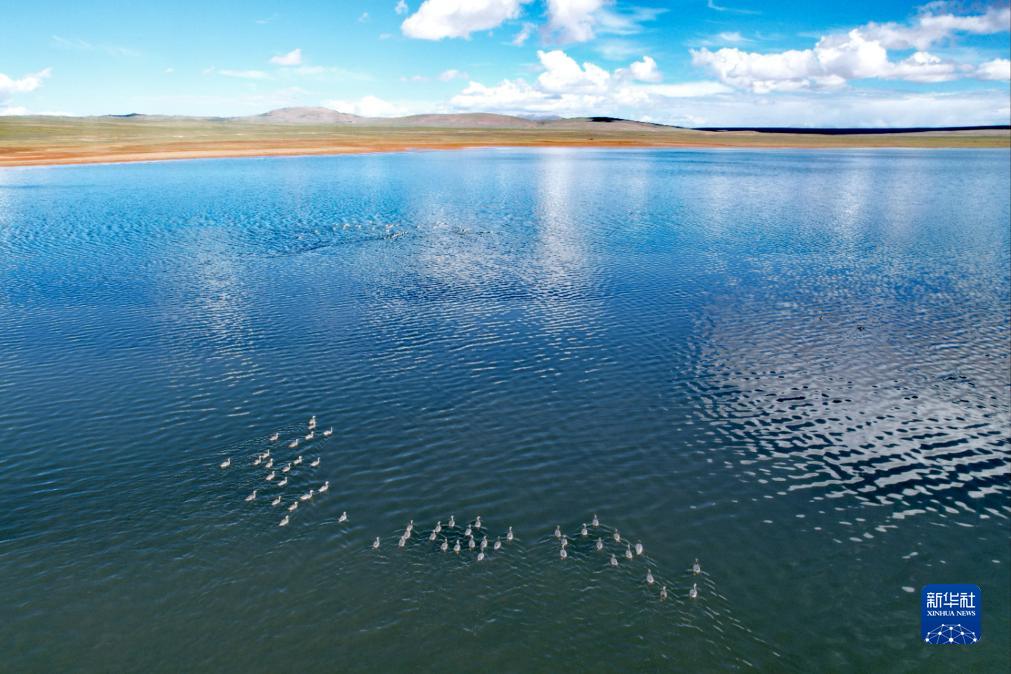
(61, 141)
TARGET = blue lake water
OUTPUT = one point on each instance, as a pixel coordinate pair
(792, 365)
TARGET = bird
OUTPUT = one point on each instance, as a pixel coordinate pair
(269, 464)
(638, 549)
(293, 444)
(558, 531)
(509, 534)
(498, 544)
(480, 556)
(375, 543)
(583, 532)
(617, 536)
(432, 536)
(452, 521)
(325, 487)
(257, 461)
(445, 544)
(456, 546)
(477, 522)
(286, 469)
(663, 593)
(565, 541)
(275, 437)
(596, 522)
(226, 463)
(438, 527)
(471, 543)
(251, 497)
(283, 482)
(311, 435)
(696, 567)
(600, 544)
(297, 461)
(343, 518)
(312, 422)
(628, 552)
(276, 501)
(484, 542)
(409, 528)
(328, 432)
(271, 475)
(308, 495)
(649, 576)
(614, 561)
(468, 531)
(293, 507)
(284, 522)
(402, 542)
(563, 554)
(694, 592)
(315, 463)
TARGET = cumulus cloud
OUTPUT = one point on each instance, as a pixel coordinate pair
(997, 69)
(292, 58)
(929, 28)
(645, 70)
(366, 106)
(438, 19)
(30, 82)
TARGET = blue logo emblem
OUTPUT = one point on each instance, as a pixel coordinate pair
(951, 615)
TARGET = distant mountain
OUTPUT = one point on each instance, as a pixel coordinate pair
(305, 116)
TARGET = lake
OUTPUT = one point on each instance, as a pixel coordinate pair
(791, 365)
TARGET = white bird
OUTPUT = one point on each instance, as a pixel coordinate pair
(663, 593)
(328, 432)
(452, 521)
(480, 556)
(432, 536)
(467, 531)
(266, 454)
(470, 543)
(226, 463)
(614, 561)
(257, 461)
(649, 576)
(293, 507)
(563, 554)
(375, 543)
(311, 435)
(312, 422)
(694, 592)
(286, 469)
(402, 542)
(617, 536)
(498, 544)
(251, 497)
(445, 544)
(275, 437)
(438, 527)
(583, 532)
(477, 522)
(277, 501)
(293, 444)
(283, 482)
(484, 542)
(558, 531)
(638, 549)
(509, 534)
(308, 495)
(325, 488)
(628, 552)
(456, 546)
(269, 464)
(271, 475)
(696, 567)
(297, 461)
(315, 463)
(596, 522)
(600, 544)
(343, 518)
(565, 541)
(284, 522)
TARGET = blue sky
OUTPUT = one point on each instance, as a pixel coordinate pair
(690, 62)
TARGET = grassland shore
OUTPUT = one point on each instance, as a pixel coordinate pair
(38, 141)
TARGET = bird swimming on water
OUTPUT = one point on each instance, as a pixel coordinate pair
(558, 531)
(375, 543)
(257, 461)
(402, 542)
(293, 444)
(438, 527)
(638, 549)
(467, 531)
(583, 532)
(283, 482)
(628, 551)
(308, 495)
(293, 507)
(456, 546)
(696, 567)
(312, 422)
(470, 543)
(596, 522)
(275, 437)
(328, 432)
(276, 501)
(445, 544)
(432, 536)
(565, 541)
(694, 592)
(614, 561)
(477, 522)
(617, 536)
(269, 464)
(314, 464)
(600, 544)
(484, 542)
(271, 475)
(498, 544)
(286, 469)
(343, 518)
(663, 593)
(563, 554)
(452, 521)
(509, 534)
(311, 435)
(297, 461)
(284, 522)
(480, 556)
(649, 576)
(226, 463)
(251, 497)
(325, 487)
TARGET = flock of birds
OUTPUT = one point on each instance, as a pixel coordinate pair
(472, 535)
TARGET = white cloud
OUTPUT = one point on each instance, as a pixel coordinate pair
(438, 19)
(30, 82)
(583, 20)
(732, 10)
(997, 69)
(563, 75)
(367, 106)
(401, 7)
(525, 32)
(645, 70)
(13, 110)
(240, 74)
(452, 74)
(292, 58)
(929, 28)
